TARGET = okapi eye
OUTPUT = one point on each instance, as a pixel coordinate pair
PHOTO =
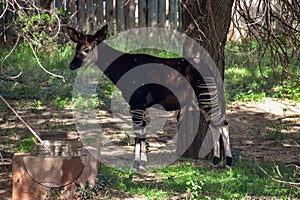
(87, 50)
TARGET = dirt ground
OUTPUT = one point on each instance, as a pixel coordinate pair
(266, 131)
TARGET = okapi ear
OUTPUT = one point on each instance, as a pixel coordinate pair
(75, 35)
(101, 34)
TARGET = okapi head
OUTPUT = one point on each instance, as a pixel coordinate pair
(85, 44)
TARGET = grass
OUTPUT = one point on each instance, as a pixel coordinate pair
(189, 180)
(34, 82)
(247, 79)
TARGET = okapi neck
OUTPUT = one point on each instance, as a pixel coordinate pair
(107, 56)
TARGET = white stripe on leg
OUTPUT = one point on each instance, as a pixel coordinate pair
(225, 136)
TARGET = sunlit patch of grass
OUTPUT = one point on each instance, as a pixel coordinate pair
(187, 179)
(247, 79)
(242, 84)
(26, 144)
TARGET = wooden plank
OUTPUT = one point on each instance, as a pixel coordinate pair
(173, 14)
(179, 24)
(71, 12)
(37, 3)
(109, 14)
(81, 14)
(152, 12)
(142, 8)
(59, 5)
(71, 7)
(120, 17)
(130, 14)
(89, 16)
(99, 12)
(2, 26)
(161, 13)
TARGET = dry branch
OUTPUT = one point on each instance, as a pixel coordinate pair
(35, 134)
(283, 180)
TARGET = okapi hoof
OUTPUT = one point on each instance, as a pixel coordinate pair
(228, 162)
(142, 167)
(216, 160)
(135, 167)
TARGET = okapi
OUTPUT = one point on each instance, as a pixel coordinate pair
(151, 94)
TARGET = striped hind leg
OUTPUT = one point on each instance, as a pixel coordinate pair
(224, 133)
(226, 142)
(217, 153)
(224, 130)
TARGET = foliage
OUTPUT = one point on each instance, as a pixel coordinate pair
(246, 79)
(34, 82)
(26, 144)
(36, 28)
(61, 103)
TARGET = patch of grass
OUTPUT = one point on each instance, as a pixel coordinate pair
(246, 79)
(276, 132)
(34, 83)
(61, 103)
(188, 180)
(244, 85)
(26, 144)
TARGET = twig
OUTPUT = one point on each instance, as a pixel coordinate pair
(39, 63)
(4, 11)
(291, 184)
(36, 135)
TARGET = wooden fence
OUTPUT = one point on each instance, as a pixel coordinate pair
(121, 15)
(90, 15)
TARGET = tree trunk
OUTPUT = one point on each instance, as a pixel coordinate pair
(207, 22)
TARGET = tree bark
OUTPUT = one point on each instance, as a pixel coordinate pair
(207, 22)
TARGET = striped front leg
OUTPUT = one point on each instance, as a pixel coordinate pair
(139, 128)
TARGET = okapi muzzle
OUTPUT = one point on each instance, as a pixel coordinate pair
(76, 62)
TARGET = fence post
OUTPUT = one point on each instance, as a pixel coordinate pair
(59, 5)
(162, 13)
(109, 14)
(71, 9)
(89, 16)
(173, 14)
(120, 18)
(130, 14)
(179, 8)
(152, 12)
(81, 14)
(99, 13)
(2, 25)
(142, 18)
